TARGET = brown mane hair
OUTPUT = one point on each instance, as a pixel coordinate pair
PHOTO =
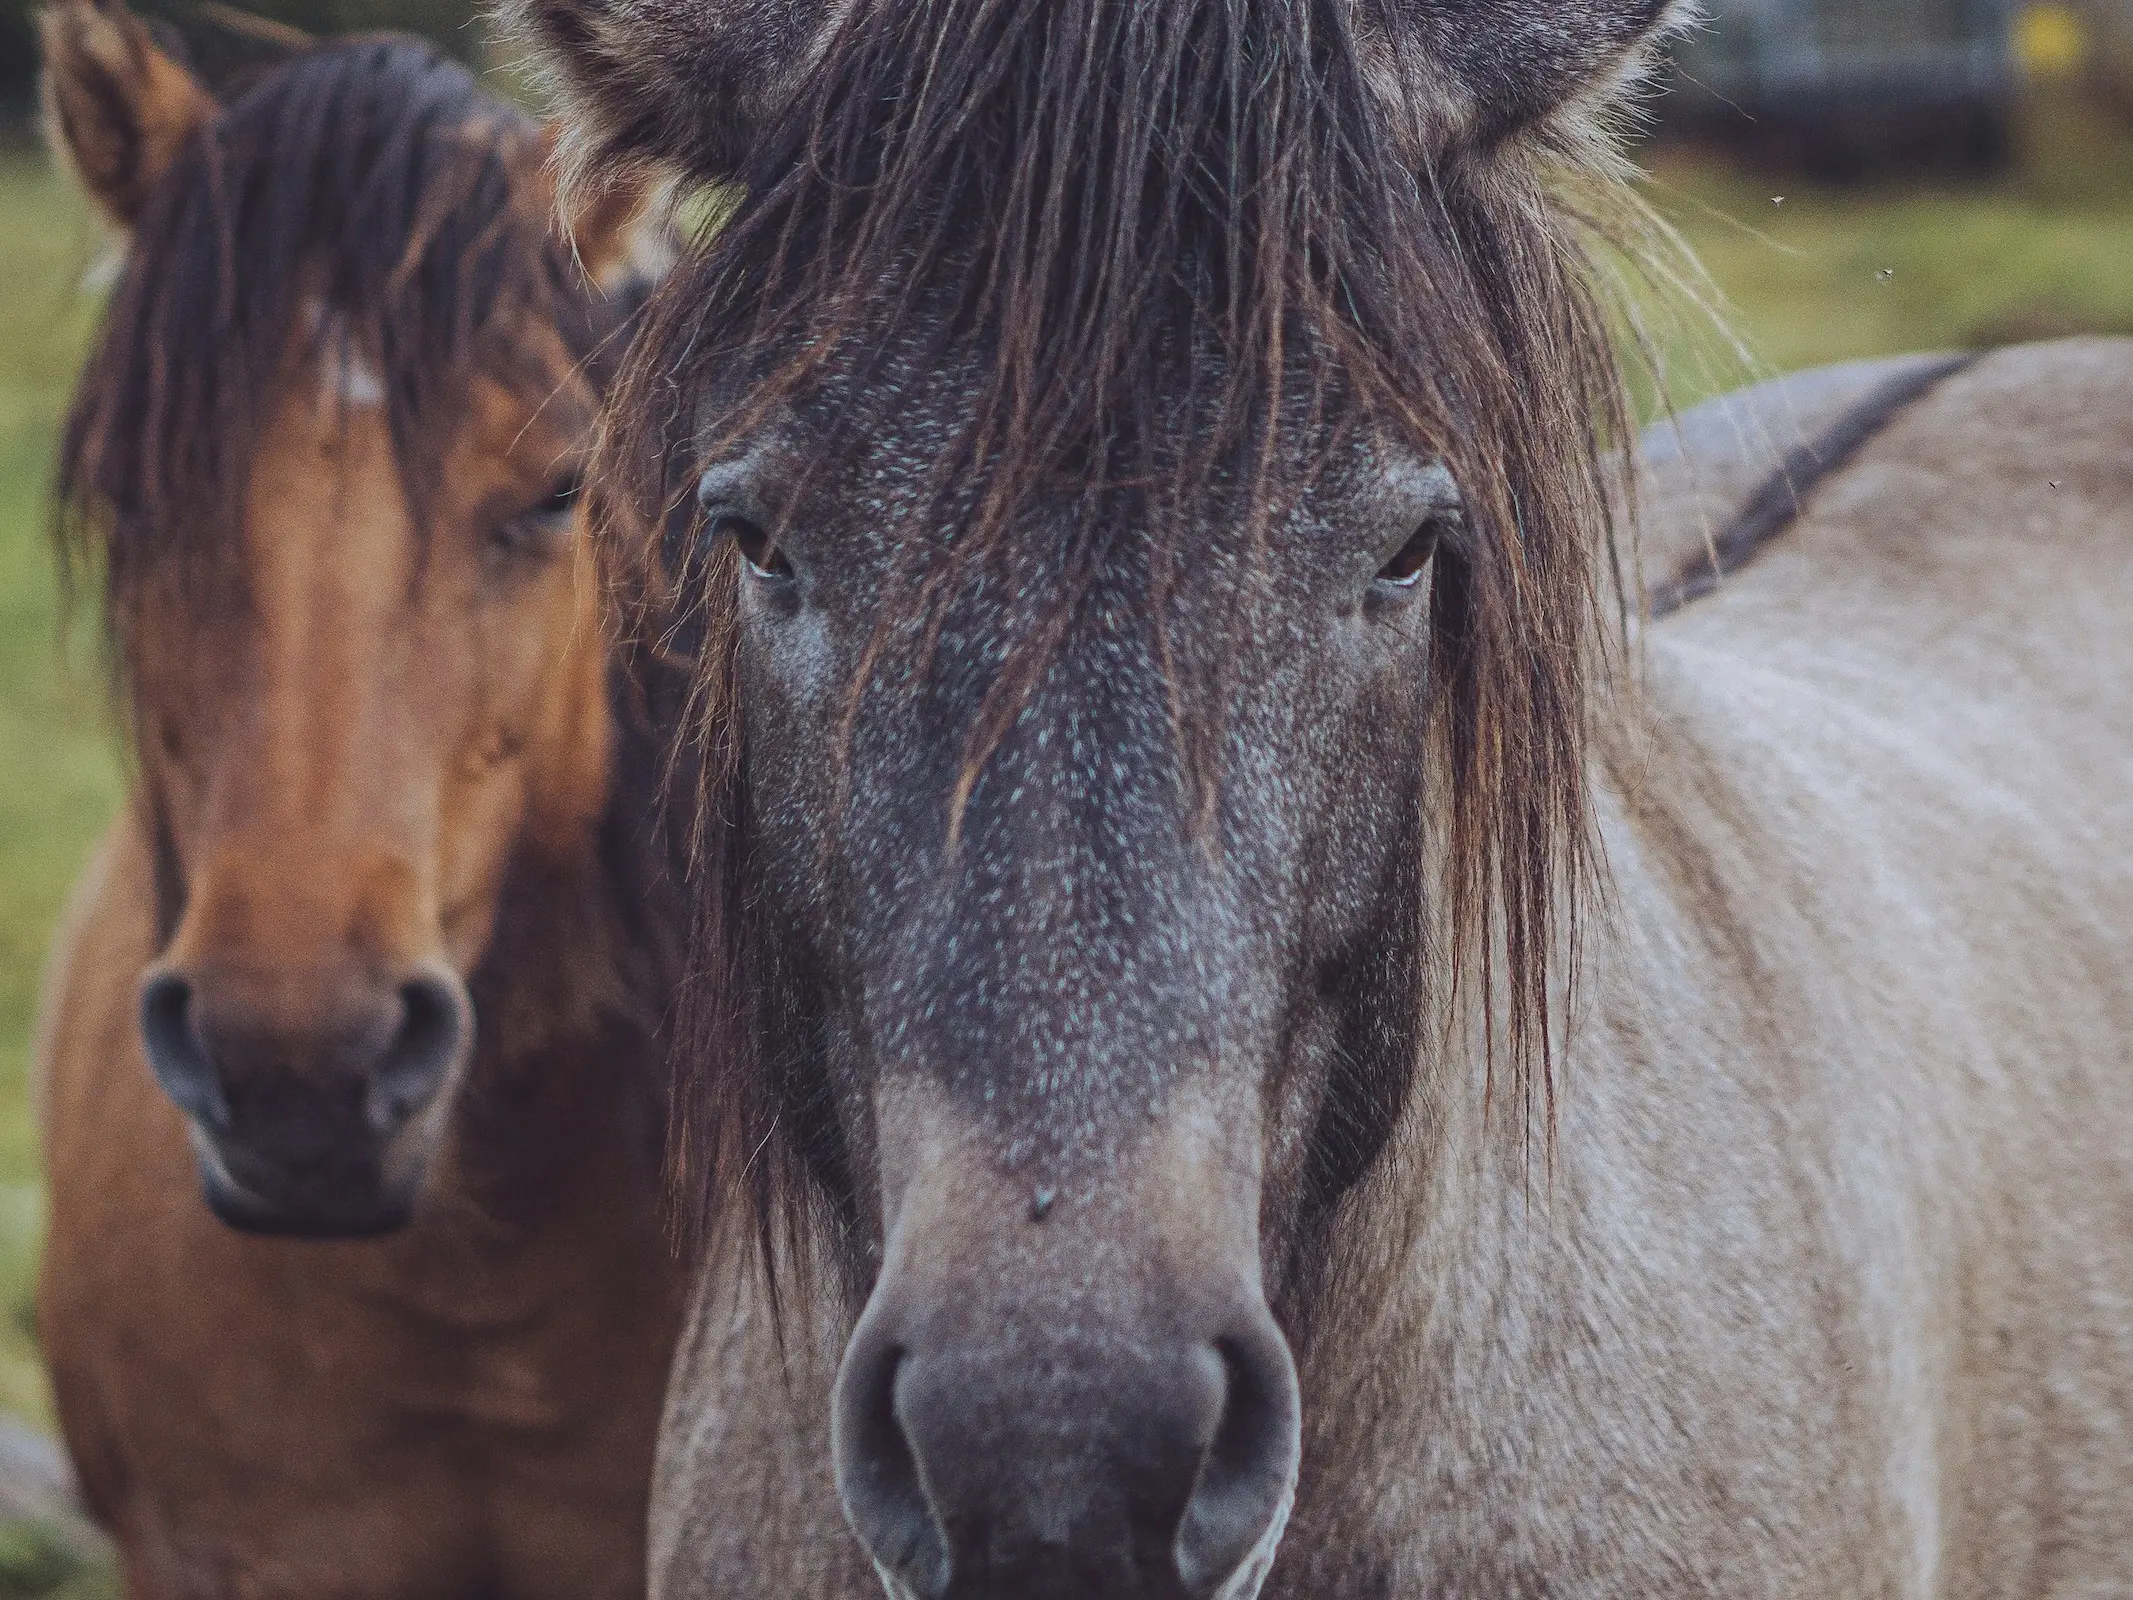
(1104, 211)
(367, 176)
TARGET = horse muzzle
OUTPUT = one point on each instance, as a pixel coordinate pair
(1058, 1409)
(319, 1125)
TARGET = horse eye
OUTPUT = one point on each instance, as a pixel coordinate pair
(562, 500)
(1405, 569)
(543, 528)
(757, 548)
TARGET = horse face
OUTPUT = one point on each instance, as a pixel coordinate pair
(1099, 1014)
(1067, 885)
(335, 466)
(343, 769)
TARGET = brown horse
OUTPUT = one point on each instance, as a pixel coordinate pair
(1207, 1133)
(381, 918)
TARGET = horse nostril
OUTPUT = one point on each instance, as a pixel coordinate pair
(435, 1030)
(177, 1054)
(877, 1471)
(1241, 1500)
(1084, 1456)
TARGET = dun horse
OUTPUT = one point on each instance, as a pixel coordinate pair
(380, 918)
(1265, 1055)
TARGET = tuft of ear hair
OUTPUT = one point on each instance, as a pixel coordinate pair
(609, 216)
(1467, 75)
(117, 110)
(664, 84)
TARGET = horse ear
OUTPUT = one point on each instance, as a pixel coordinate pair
(1472, 73)
(649, 83)
(653, 80)
(610, 220)
(117, 109)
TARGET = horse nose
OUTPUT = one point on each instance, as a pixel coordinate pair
(177, 1054)
(394, 1048)
(436, 1026)
(1072, 1462)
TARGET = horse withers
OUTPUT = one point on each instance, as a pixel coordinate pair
(1208, 1131)
(356, 1282)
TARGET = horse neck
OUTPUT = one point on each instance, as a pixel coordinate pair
(569, 998)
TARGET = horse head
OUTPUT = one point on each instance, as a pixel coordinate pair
(326, 455)
(1152, 515)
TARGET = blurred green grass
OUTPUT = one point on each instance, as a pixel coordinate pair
(1826, 275)
(2043, 251)
(40, 1562)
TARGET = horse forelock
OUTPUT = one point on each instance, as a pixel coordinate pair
(359, 209)
(1111, 217)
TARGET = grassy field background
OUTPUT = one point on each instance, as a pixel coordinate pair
(1806, 274)
(2046, 249)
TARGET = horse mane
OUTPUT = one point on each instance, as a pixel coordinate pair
(1102, 211)
(359, 195)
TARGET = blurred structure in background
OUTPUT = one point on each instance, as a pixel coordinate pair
(2093, 39)
(1848, 88)
(223, 42)
(1841, 87)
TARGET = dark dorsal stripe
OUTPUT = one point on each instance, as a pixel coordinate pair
(1781, 499)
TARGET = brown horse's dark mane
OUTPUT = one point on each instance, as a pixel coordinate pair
(1101, 209)
(368, 176)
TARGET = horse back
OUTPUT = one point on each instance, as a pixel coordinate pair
(1705, 477)
(1883, 784)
